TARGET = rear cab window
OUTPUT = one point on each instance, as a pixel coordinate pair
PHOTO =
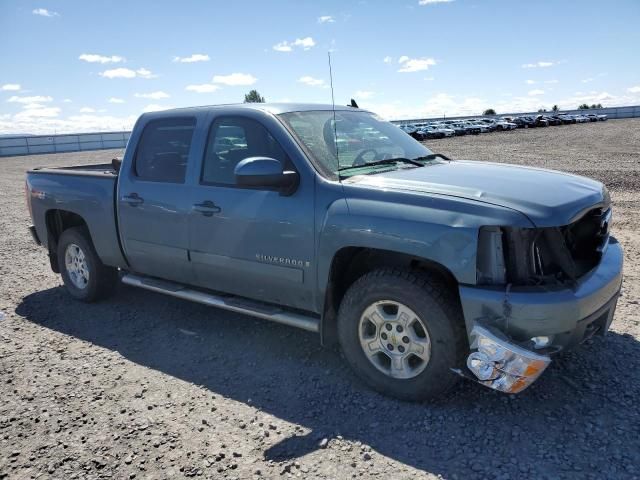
(163, 150)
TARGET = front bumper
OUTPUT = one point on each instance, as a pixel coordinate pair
(565, 316)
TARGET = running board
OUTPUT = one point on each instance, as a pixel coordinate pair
(232, 303)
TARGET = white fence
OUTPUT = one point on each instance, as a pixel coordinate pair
(28, 145)
(611, 112)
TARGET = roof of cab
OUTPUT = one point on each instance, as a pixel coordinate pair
(273, 108)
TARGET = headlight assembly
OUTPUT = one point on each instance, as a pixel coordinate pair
(501, 365)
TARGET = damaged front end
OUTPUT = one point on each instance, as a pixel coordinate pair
(512, 342)
(551, 256)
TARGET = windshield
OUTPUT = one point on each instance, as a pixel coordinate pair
(362, 139)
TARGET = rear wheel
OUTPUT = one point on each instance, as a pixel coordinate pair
(83, 273)
(402, 333)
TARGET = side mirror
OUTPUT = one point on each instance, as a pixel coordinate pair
(266, 172)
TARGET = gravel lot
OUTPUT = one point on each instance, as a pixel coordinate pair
(146, 386)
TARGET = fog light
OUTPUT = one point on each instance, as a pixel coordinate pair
(501, 365)
(541, 342)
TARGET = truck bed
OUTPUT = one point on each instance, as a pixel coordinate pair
(98, 169)
(88, 191)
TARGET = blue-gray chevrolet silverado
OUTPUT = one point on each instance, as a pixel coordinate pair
(424, 269)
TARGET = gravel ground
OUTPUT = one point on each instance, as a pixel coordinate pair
(147, 386)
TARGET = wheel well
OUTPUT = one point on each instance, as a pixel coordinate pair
(57, 222)
(351, 263)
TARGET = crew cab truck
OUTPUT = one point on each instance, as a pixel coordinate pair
(422, 268)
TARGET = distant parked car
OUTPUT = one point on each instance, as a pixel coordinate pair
(470, 128)
(452, 125)
(499, 124)
(552, 120)
(448, 132)
(431, 132)
(595, 118)
(540, 121)
(565, 119)
(414, 132)
(484, 128)
(523, 122)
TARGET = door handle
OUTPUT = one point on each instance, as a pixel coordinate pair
(206, 208)
(134, 200)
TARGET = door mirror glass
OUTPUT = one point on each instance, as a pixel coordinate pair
(265, 172)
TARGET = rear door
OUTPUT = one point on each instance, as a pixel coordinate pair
(154, 199)
(252, 242)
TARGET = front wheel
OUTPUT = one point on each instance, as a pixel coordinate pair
(402, 333)
(83, 273)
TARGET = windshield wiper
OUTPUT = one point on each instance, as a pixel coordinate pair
(433, 156)
(411, 161)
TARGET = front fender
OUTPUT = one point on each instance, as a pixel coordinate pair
(436, 228)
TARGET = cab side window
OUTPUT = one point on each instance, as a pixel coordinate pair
(163, 150)
(231, 140)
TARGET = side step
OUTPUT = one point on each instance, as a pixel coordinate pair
(233, 303)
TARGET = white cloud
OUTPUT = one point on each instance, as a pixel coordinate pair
(431, 2)
(144, 73)
(87, 110)
(364, 94)
(535, 92)
(33, 99)
(115, 100)
(530, 82)
(415, 64)
(235, 79)
(430, 79)
(202, 88)
(66, 100)
(587, 80)
(195, 57)
(10, 87)
(305, 43)
(43, 12)
(282, 47)
(539, 64)
(635, 89)
(387, 59)
(551, 81)
(312, 82)
(95, 58)
(326, 19)
(152, 95)
(127, 73)
(119, 73)
(37, 113)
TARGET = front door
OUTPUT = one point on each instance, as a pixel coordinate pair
(251, 242)
(154, 200)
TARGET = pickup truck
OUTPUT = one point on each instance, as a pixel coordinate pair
(421, 268)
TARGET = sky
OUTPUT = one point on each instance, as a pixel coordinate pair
(80, 65)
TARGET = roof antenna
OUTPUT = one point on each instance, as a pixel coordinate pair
(333, 106)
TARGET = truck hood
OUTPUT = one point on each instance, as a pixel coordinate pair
(548, 198)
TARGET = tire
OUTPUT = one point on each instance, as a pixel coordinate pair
(83, 273)
(437, 312)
